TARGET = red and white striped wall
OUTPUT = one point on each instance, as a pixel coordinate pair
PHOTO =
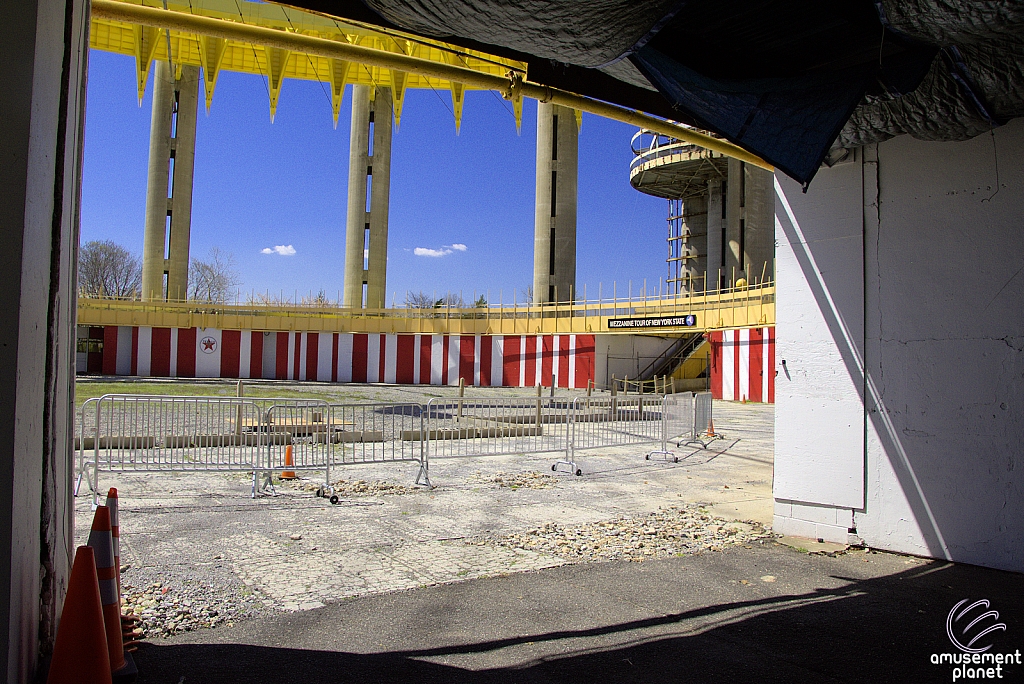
(483, 360)
(743, 364)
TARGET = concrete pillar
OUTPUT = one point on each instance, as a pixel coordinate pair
(554, 245)
(716, 233)
(759, 242)
(735, 222)
(369, 190)
(172, 143)
(695, 227)
(45, 50)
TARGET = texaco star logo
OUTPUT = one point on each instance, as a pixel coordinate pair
(208, 344)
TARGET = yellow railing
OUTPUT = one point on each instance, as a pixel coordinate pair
(731, 308)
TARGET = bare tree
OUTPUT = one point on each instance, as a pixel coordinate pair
(528, 294)
(418, 300)
(106, 269)
(214, 279)
(451, 300)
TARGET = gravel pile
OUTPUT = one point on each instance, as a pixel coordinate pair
(673, 531)
(165, 609)
(530, 480)
(356, 487)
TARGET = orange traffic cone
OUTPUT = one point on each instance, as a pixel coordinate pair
(288, 462)
(101, 541)
(711, 428)
(80, 652)
(128, 623)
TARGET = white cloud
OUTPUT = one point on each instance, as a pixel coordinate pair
(283, 250)
(459, 246)
(427, 252)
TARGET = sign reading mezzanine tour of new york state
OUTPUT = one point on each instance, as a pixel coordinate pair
(659, 322)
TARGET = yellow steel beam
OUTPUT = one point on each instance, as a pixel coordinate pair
(512, 85)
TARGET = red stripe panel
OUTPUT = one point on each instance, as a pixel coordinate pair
(334, 359)
(510, 358)
(444, 360)
(382, 340)
(160, 356)
(281, 357)
(546, 359)
(737, 350)
(135, 352)
(771, 365)
(584, 359)
(186, 352)
(425, 345)
(110, 350)
(256, 354)
(405, 364)
(715, 359)
(563, 360)
(756, 361)
(359, 346)
(312, 355)
(230, 353)
(530, 362)
(296, 360)
(467, 357)
(486, 346)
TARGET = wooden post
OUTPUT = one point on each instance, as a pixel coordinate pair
(673, 384)
(538, 405)
(615, 396)
(590, 387)
(462, 393)
(239, 392)
(625, 385)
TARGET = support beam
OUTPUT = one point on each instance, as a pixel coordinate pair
(45, 51)
(554, 245)
(716, 233)
(695, 226)
(172, 143)
(369, 190)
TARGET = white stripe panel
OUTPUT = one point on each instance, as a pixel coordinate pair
(390, 358)
(291, 356)
(436, 358)
(145, 351)
(325, 357)
(174, 353)
(522, 361)
(555, 359)
(373, 358)
(208, 362)
(454, 344)
(497, 360)
(476, 360)
(417, 340)
(572, 361)
(345, 358)
(123, 365)
(765, 370)
(303, 340)
(244, 353)
(728, 349)
(744, 352)
(539, 365)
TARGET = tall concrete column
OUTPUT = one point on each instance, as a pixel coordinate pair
(735, 222)
(695, 227)
(172, 143)
(759, 210)
(369, 190)
(554, 245)
(45, 48)
(716, 233)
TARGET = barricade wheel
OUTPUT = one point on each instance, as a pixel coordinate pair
(554, 468)
(675, 459)
(579, 472)
(647, 457)
(334, 499)
(319, 492)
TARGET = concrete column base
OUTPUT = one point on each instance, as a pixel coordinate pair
(814, 521)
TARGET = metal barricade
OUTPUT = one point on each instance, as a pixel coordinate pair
(173, 434)
(703, 421)
(378, 433)
(677, 422)
(296, 436)
(469, 427)
(615, 421)
(86, 414)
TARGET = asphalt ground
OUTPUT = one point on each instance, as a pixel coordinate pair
(764, 614)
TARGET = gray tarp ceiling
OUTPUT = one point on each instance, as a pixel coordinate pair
(793, 81)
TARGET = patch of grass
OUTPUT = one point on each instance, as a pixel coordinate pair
(87, 389)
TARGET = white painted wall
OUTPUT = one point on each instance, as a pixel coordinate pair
(917, 335)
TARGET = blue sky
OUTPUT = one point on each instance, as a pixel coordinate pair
(259, 185)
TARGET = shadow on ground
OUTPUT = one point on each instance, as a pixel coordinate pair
(679, 620)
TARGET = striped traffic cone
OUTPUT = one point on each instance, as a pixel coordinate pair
(128, 623)
(80, 651)
(288, 462)
(101, 541)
